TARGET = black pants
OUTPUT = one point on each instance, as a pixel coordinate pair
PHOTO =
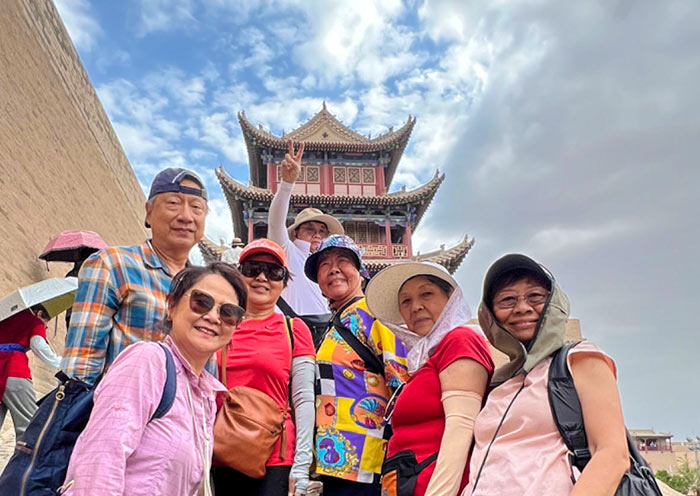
(332, 486)
(230, 482)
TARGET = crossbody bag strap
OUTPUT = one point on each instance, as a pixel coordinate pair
(372, 363)
(286, 309)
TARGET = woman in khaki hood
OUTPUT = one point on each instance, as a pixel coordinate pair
(517, 446)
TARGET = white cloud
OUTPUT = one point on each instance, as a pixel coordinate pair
(220, 130)
(356, 40)
(163, 15)
(83, 29)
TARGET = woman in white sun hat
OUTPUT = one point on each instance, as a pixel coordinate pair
(450, 366)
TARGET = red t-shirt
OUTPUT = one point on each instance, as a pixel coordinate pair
(258, 357)
(419, 420)
(19, 329)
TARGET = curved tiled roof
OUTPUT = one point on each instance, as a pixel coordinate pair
(236, 193)
(402, 197)
(450, 258)
(323, 132)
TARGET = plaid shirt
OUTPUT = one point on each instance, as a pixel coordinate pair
(121, 296)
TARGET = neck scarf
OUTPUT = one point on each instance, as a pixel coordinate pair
(456, 313)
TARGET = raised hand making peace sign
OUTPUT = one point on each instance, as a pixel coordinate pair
(291, 165)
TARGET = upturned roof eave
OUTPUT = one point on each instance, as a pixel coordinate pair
(422, 195)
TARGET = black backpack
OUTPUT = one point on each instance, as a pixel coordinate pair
(566, 410)
(39, 464)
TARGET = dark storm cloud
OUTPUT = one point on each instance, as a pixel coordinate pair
(583, 152)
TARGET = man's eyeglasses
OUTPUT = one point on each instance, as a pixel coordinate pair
(274, 272)
(202, 303)
(533, 298)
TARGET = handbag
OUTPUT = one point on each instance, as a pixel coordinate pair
(400, 473)
(248, 425)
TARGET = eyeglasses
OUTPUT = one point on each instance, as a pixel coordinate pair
(202, 303)
(274, 272)
(533, 298)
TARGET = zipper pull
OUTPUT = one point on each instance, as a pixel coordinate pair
(60, 394)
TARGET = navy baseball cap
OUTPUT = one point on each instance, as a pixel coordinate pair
(168, 181)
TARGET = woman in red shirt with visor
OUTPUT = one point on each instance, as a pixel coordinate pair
(262, 356)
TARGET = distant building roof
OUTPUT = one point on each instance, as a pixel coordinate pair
(323, 132)
(649, 434)
(450, 258)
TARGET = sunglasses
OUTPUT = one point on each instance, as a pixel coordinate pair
(274, 272)
(202, 303)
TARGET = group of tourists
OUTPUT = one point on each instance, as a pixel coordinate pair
(395, 394)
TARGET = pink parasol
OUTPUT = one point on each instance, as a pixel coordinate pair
(72, 246)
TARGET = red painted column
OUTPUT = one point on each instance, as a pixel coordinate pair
(407, 241)
(272, 177)
(379, 176)
(389, 249)
(250, 229)
(326, 179)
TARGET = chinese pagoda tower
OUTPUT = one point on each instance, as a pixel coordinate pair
(344, 174)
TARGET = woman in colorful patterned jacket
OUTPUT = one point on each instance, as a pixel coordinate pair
(450, 366)
(358, 363)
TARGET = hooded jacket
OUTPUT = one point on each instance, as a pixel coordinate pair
(549, 333)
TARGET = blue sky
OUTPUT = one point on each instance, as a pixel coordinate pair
(567, 130)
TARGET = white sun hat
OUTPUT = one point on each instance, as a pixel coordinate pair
(382, 292)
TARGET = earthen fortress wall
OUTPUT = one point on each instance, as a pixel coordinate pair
(61, 164)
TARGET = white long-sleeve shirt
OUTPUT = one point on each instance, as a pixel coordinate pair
(44, 352)
(303, 295)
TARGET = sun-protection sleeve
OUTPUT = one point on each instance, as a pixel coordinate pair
(303, 375)
(44, 352)
(277, 216)
(461, 408)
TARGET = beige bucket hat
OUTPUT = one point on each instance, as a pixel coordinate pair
(313, 214)
(382, 292)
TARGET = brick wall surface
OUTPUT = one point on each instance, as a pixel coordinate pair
(61, 164)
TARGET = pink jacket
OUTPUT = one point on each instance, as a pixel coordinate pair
(121, 452)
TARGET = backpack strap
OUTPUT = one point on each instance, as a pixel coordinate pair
(566, 408)
(170, 388)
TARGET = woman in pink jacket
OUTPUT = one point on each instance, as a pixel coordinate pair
(122, 450)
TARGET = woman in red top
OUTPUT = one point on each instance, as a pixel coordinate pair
(259, 356)
(449, 365)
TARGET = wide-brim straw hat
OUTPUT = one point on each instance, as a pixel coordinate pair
(313, 214)
(382, 292)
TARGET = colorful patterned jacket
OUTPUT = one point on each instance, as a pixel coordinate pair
(351, 401)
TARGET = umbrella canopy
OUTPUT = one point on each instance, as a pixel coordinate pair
(55, 294)
(72, 246)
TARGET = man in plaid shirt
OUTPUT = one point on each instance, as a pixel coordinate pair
(122, 290)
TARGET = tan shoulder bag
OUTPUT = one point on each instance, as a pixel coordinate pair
(248, 425)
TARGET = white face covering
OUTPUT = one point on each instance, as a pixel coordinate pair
(456, 313)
